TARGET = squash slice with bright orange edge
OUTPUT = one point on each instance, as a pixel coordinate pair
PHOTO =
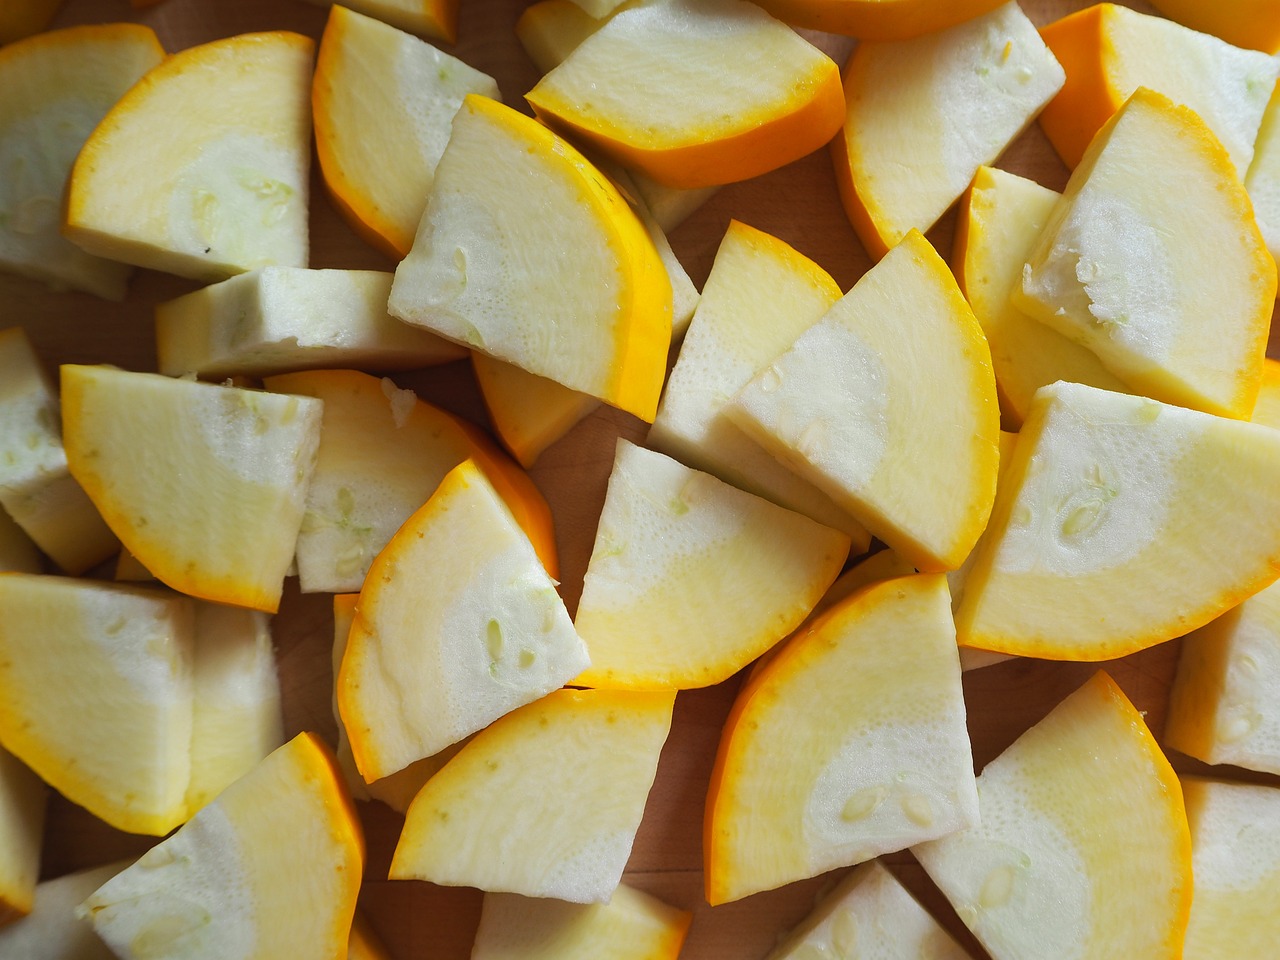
(383, 102)
(527, 253)
(427, 18)
(201, 169)
(1122, 522)
(205, 485)
(1171, 289)
(269, 870)
(1109, 51)
(909, 444)
(54, 89)
(1083, 849)
(456, 625)
(22, 807)
(695, 94)
(96, 695)
(1000, 222)
(760, 295)
(545, 802)
(878, 19)
(382, 453)
(632, 926)
(869, 914)
(398, 789)
(691, 579)
(923, 115)
(1245, 23)
(1267, 410)
(1236, 862)
(850, 743)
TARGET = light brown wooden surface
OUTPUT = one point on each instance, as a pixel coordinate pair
(798, 204)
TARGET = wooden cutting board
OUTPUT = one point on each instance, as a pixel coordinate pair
(798, 204)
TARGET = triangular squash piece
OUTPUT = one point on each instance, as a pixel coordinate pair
(457, 624)
(545, 802)
(54, 89)
(269, 870)
(203, 484)
(691, 579)
(201, 169)
(382, 453)
(1122, 522)
(850, 743)
(1172, 289)
(1082, 850)
(527, 253)
(96, 695)
(427, 18)
(52, 931)
(888, 404)
(631, 926)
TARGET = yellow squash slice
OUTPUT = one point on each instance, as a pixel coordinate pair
(22, 806)
(888, 404)
(96, 695)
(204, 484)
(52, 931)
(1109, 51)
(923, 115)
(631, 926)
(878, 19)
(695, 94)
(1246, 23)
(383, 102)
(1263, 179)
(545, 802)
(1171, 289)
(1267, 410)
(269, 871)
(382, 453)
(54, 89)
(202, 168)
(526, 253)
(1082, 851)
(850, 743)
(427, 18)
(1109, 534)
(691, 579)
(457, 624)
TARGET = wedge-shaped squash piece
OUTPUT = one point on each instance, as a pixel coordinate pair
(691, 579)
(1109, 51)
(760, 295)
(1236, 860)
(384, 101)
(398, 789)
(457, 624)
(849, 743)
(21, 18)
(428, 18)
(237, 719)
(1267, 410)
(17, 552)
(53, 91)
(204, 484)
(36, 488)
(289, 318)
(878, 19)
(268, 871)
(1222, 708)
(578, 295)
(888, 404)
(695, 94)
(870, 914)
(202, 168)
(1263, 178)
(52, 931)
(1104, 540)
(923, 115)
(545, 802)
(1171, 289)
(1083, 849)
(22, 804)
(1002, 218)
(631, 926)
(382, 453)
(96, 695)
(1246, 23)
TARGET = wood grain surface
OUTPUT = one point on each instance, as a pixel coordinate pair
(799, 204)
